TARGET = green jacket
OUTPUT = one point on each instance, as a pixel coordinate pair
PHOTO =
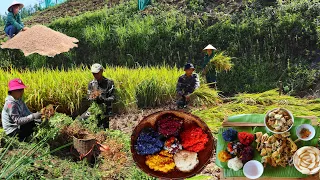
(14, 20)
(211, 75)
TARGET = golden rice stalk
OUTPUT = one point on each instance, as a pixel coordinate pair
(204, 95)
(221, 62)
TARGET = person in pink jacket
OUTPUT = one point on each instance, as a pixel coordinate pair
(17, 120)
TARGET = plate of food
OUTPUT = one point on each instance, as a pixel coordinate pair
(238, 150)
(279, 120)
(274, 151)
(305, 132)
(307, 160)
(171, 144)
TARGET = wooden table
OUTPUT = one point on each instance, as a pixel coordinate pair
(314, 121)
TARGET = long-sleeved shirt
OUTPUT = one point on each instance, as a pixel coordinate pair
(106, 89)
(14, 20)
(211, 75)
(187, 84)
(14, 113)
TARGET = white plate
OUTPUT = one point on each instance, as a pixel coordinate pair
(267, 116)
(295, 156)
(310, 128)
(253, 169)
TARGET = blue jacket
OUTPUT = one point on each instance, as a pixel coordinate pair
(14, 20)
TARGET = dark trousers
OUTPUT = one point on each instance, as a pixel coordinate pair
(182, 102)
(24, 132)
(103, 122)
(11, 30)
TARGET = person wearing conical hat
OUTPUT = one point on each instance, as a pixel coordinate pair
(13, 23)
(210, 75)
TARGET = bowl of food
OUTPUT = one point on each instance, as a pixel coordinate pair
(305, 132)
(279, 120)
(171, 145)
(253, 169)
(307, 160)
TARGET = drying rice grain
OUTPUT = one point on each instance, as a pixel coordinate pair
(42, 40)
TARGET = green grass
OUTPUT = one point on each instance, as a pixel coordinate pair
(258, 103)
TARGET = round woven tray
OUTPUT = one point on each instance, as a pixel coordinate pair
(189, 120)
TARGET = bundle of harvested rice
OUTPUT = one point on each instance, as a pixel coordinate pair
(42, 40)
(47, 112)
(221, 62)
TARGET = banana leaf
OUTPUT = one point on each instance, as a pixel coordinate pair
(269, 171)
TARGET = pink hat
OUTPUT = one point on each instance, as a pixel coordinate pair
(16, 84)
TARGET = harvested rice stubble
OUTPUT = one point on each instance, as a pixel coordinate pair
(42, 40)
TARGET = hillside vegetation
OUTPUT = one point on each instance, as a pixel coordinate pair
(269, 41)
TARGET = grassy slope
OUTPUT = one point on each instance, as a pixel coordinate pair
(159, 32)
(70, 8)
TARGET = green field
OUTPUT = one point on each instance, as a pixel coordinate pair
(67, 88)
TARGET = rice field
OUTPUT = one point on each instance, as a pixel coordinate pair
(151, 86)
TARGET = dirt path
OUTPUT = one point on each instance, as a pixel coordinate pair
(127, 122)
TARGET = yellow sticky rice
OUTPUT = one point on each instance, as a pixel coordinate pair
(161, 162)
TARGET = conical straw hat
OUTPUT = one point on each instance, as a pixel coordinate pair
(16, 3)
(210, 47)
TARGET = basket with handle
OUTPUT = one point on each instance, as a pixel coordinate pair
(204, 156)
(84, 144)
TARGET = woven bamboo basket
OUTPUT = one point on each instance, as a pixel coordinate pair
(83, 143)
(204, 156)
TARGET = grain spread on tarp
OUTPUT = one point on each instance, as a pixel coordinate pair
(42, 40)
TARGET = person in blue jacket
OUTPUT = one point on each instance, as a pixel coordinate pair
(13, 23)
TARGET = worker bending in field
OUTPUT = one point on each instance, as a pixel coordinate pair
(187, 83)
(13, 23)
(101, 90)
(16, 117)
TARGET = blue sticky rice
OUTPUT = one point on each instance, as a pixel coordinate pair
(149, 142)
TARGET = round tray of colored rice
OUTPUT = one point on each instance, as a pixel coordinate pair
(161, 142)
